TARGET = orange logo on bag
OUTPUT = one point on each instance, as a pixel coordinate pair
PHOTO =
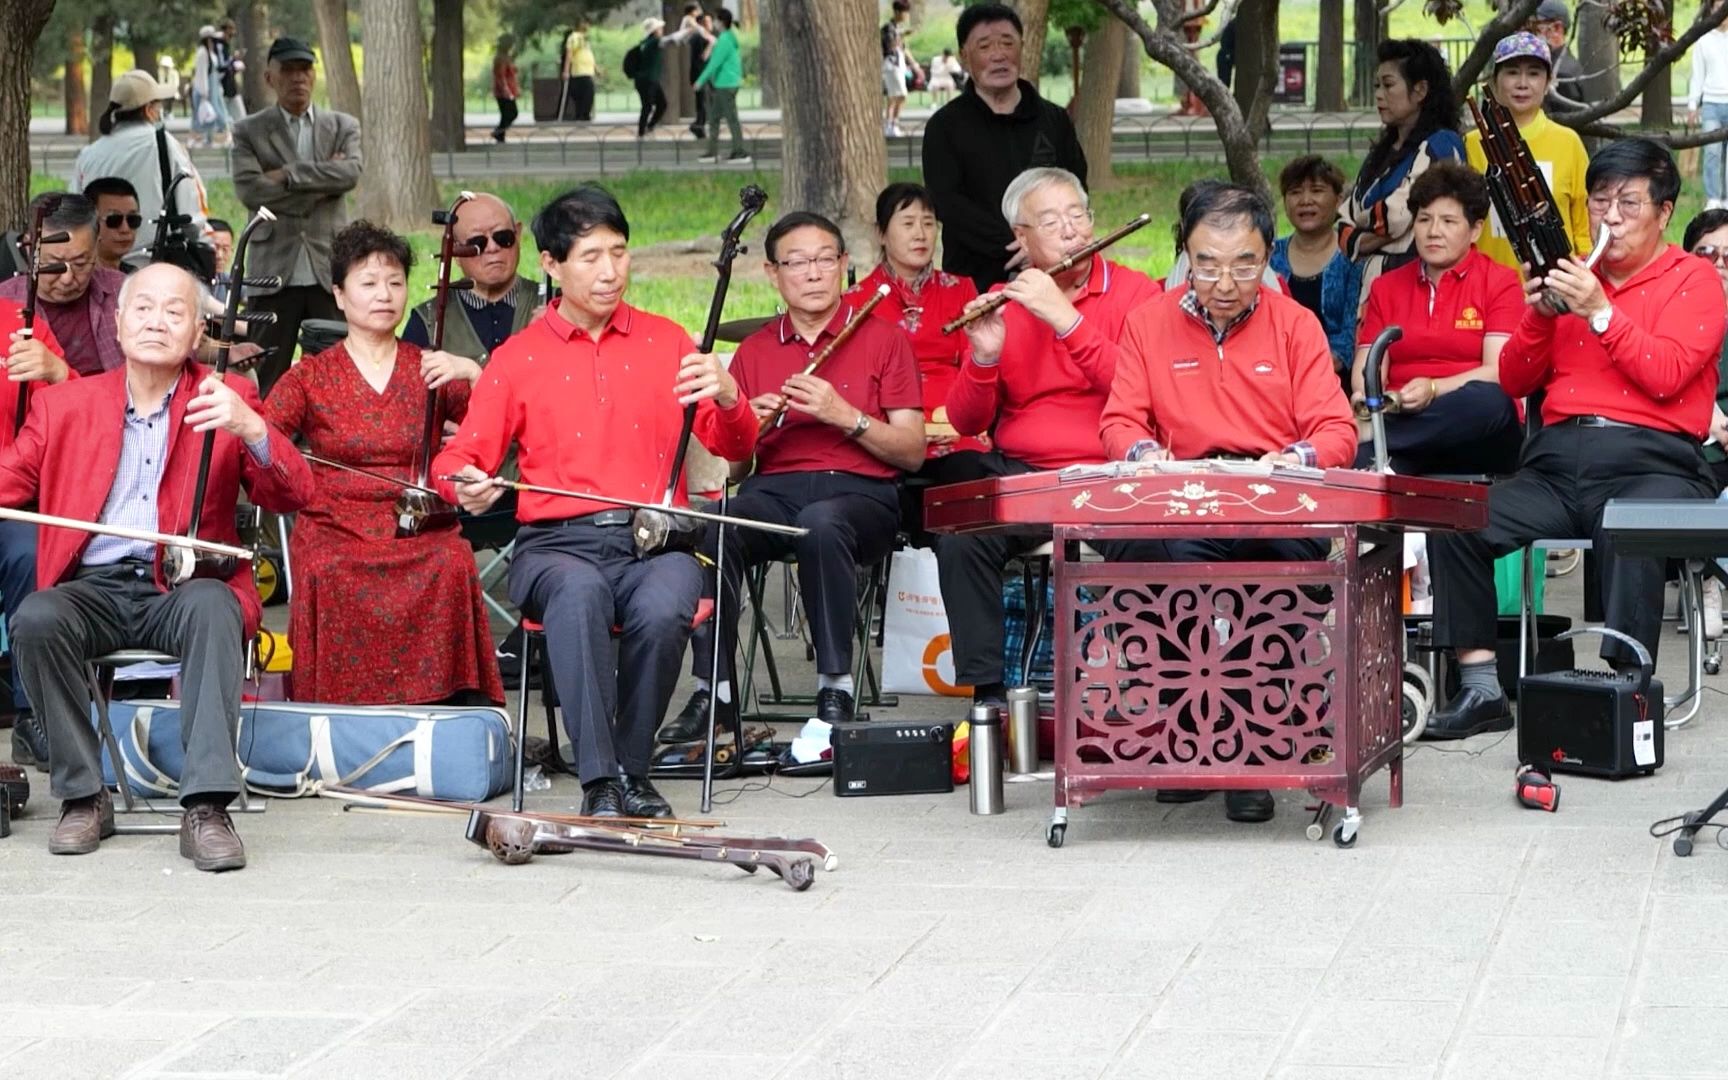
(933, 674)
(1468, 319)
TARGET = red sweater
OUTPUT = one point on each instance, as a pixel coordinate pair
(1655, 366)
(1269, 385)
(1041, 400)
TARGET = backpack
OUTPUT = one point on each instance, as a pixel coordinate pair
(633, 61)
(890, 39)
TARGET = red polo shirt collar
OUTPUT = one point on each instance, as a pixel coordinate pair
(567, 330)
(841, 317)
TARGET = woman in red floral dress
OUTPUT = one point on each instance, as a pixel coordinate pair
(374, 619)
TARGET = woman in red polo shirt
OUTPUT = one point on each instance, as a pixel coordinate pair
(921, 300)
(1457, 308)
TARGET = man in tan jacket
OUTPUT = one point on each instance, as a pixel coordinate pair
(299, 162)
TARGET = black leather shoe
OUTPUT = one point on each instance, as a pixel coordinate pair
(642, 800)
(1470, 713)
(691, 723)
(603, 798)
(1249, 805)
(1180, 795)
(833, 706)
(29, 742)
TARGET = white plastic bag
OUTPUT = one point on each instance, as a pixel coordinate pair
(916, 656)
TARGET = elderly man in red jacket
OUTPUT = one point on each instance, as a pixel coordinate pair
(122, 448)
(1226, 369)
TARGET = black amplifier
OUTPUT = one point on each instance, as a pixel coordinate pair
(1592, 723)
(892, 759)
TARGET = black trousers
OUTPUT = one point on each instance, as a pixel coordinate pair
(580, 581)
(653, 100)
(17, 580)
(970, 570)
(580, 106)
(1568, 473)
(852, 521)
(506, 114)
(57, 631)
(1474, 429)
(292, 305)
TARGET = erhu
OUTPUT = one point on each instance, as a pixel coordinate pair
(33, 273)
(183, 561)
(417, 508)
(654, 530)
(994, 300)
(778, 416)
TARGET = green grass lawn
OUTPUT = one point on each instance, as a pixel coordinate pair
(665, 208)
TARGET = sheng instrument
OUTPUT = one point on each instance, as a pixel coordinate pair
(181, 561)
(994, 300)
(652, 529)
(33, 273)
(776, 417)
(418, 508)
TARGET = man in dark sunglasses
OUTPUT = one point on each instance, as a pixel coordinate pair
(500, 302)
(117, 219)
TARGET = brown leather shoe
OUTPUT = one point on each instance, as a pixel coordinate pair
(207, 837)
(84, 824)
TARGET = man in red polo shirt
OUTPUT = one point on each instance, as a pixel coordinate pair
(1629, 376)
(848, 431)
(1036, 377)
(37, 359)
(1457, 308)
(592, 395)
(1227, 369)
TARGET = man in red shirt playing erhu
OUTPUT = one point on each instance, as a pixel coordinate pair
(1628, 377)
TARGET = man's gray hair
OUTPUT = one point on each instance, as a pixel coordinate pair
(1035, 180)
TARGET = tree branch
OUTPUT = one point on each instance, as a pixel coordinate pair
(1211, 6)
(1673, 142)
(1664, 58)
(1513, 18)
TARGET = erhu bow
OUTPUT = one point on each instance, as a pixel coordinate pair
(653, 529)
(776, 417)
(994, 300)
(1522, 199)
(32, 274)
(183, 561)
(612, 500)
(416, 510)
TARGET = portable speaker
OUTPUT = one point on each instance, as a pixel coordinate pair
(892, 759)
(1593, 723)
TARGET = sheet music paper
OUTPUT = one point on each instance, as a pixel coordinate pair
(1113, 470)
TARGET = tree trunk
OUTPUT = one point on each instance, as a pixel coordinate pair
(1036, 15)
(917, 14)
(1329, 59)
(1256, 61)
(340, 82)
(253, 18)
(448, 104)
(21, 24)
(769, 62)
(101, 64)
(1656, 109)
(834, 159)
(144, 57)
(748, 16)
(1370, 28)
(1095, 113)
(1598, 53)
(1128, 81)
(396, 190)
(77, 105)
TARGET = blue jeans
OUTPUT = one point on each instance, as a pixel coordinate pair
(1715, 115)
(17, 580)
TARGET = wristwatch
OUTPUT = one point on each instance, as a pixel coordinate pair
(1599, 321)
(860, 427)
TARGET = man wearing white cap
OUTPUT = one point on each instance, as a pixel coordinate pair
(645, 70)
(128, 150)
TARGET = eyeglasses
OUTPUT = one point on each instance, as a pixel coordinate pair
(1710, 253)
(114, 221)
(1243, 272)
(1630, 205)
(1051, 224)
(823, 263)
(504, 238)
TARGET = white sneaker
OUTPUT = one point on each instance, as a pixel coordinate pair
(1712, 609)
(708, 159)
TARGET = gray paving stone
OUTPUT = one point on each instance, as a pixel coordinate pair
(260, 1044)
(1335, 1072)
(1566, 948)
(987, 1069)
(699, 1066)
(1214, 1000)
(1076, 1029)
(72, 1022)
(1367, 1032)
(1129, 966)
(84, 1058)
(1402, 972)
(1195, 1055)
(884, 1050)
(387, 1061)
(1498, 1057)
(1674, 1040)
(1538, 1004)
(1681, 977)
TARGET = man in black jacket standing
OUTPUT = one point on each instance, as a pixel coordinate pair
(994, 130)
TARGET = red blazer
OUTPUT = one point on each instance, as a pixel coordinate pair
(66, 457)
(12, 321)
